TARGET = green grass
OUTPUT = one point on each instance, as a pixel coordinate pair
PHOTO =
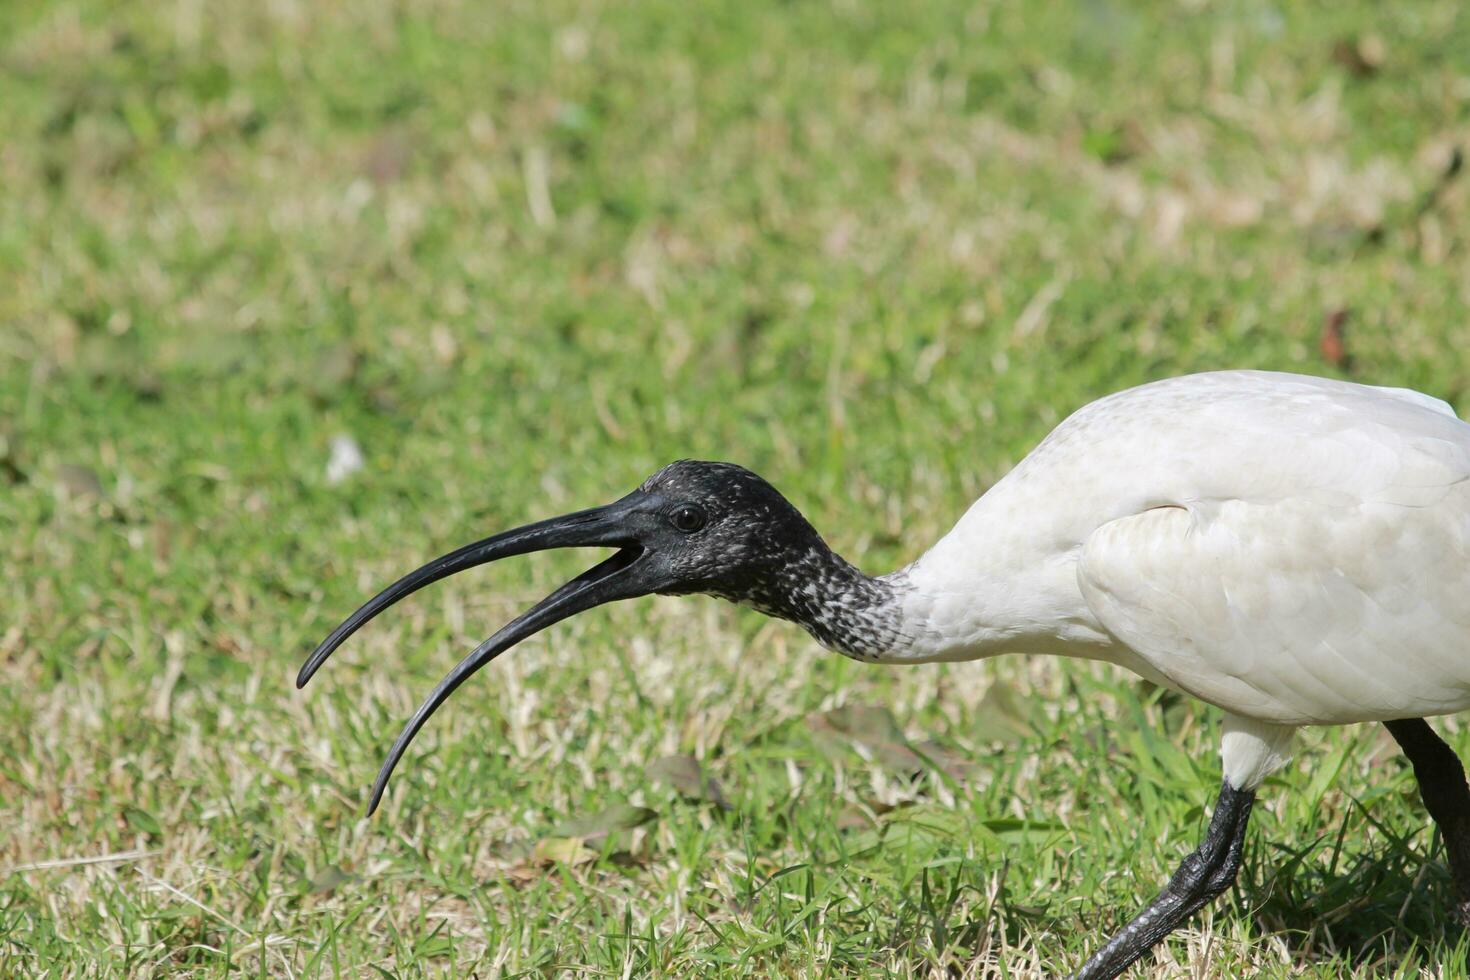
(525, 253)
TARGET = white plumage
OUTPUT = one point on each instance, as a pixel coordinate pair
(1289, 548)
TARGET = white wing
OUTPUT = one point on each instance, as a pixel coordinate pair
(1292, 549)
(1422, 400)
(1344, 600)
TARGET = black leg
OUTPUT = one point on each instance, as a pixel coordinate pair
(1446, 797)
(1203, 875)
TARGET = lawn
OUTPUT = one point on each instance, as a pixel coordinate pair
(524, 253)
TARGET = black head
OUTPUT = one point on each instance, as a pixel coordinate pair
(693, 526)
(733, 534)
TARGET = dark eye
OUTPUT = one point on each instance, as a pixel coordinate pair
(687, 518)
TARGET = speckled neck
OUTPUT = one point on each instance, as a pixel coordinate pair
(846, 611)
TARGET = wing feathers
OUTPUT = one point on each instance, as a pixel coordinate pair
(1291, 613)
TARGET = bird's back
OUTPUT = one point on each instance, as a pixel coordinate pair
(1244, 435)
(1291, 548)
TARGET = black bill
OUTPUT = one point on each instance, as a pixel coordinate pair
(626, 525)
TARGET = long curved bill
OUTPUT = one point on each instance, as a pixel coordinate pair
(616, 577)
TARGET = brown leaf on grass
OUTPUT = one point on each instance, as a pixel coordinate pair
(580, 840)
(829, 741)
(145, 383)
(13, 462)
(328, 879)
(79, 481)
(387, 157)
(688, 778)
(1001, 716)
(333, 370)
(866, 727)
(523, 874)
(863, 816)
(1363, 56)
(1333, 341)
(596, 827)
(957, 765)
(570, 851)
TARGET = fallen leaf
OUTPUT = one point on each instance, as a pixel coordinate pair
(594, 828)
(562, 850)
(580, 840)
(142, 821)
(144, 382)
(869, 727)
(1333, 342)
(1001, 716)
(688, 778)
(955, 763)
(328, 879)
(387, 157)
(334, 370)
(1363, 56)
(523, 874)
(13, 464)
(862, 817)
(79, 481)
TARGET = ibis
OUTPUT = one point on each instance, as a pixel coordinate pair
(1293, 550)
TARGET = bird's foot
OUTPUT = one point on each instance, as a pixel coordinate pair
(1204, 874)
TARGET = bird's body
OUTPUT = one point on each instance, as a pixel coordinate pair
(1294, 550)
(1281, 546)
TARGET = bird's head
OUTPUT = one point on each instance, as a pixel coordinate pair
(720, 529)
(692, 527)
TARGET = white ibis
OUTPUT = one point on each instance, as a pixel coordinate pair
(1292, 549)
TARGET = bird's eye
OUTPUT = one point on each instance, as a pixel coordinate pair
(686, 518)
